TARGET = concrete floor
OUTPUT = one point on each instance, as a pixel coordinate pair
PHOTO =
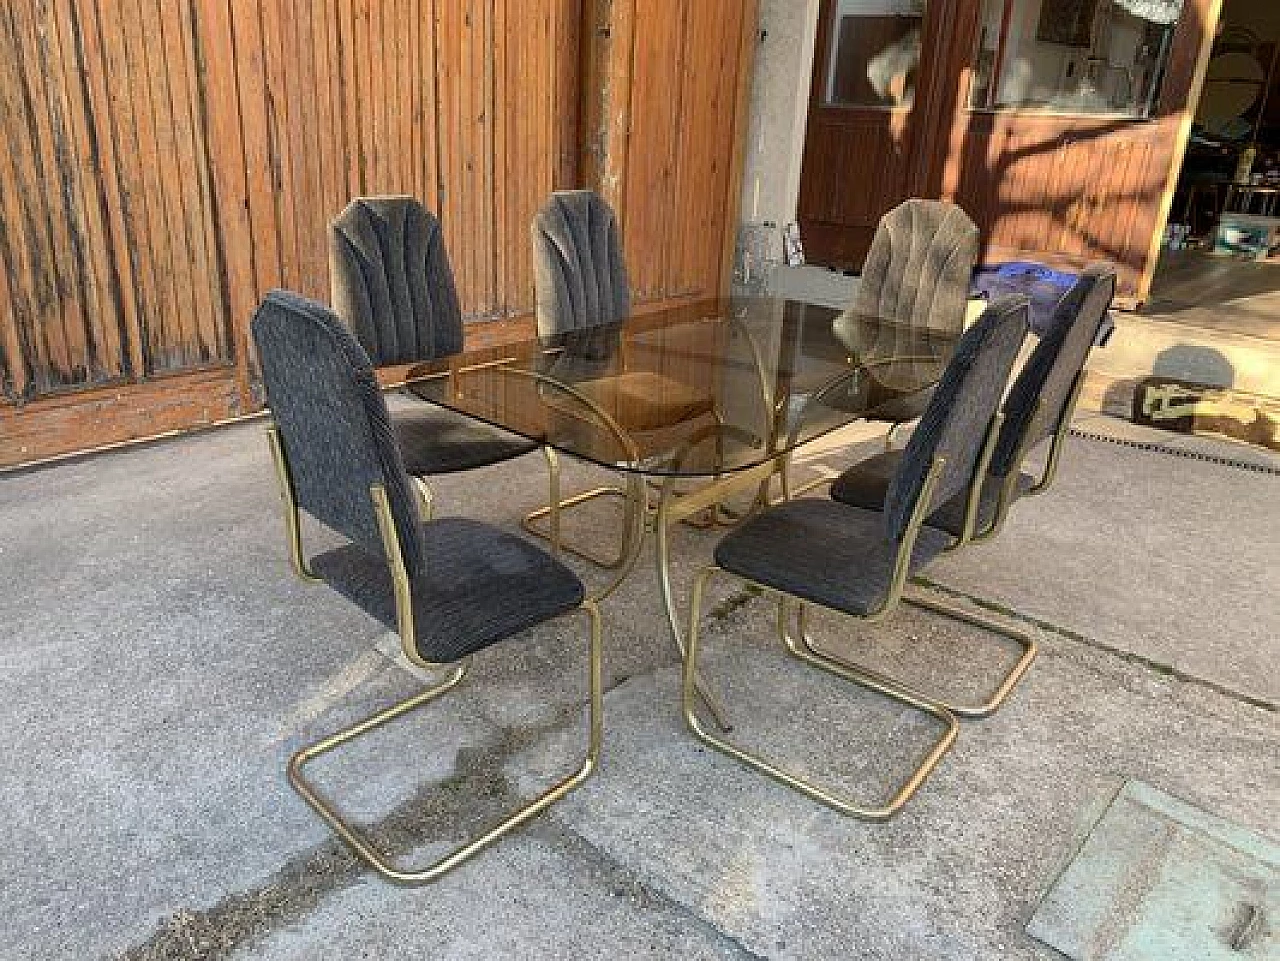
(160, 665)
(1197, 289)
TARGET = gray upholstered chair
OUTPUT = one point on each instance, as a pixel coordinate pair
(392, 285)
(450, 587)
(917, 272)
(579, 271)
(1039, 406)
(582, 292)
(815, 551)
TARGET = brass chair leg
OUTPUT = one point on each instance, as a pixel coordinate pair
(292, 521)
(556, 507)
(365, 851)
(804, 647)
(759, 763)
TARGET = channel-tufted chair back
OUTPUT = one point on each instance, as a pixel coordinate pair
(333, 423)
(579, 271)
(955, 424)
(391, 281)
(919, 266)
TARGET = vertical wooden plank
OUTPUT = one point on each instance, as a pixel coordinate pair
(276, 54)
(250, 63)
(309, 206)
(179, 347)
(747, 42)
(83, 188)
(430, 106)
(148, 231)
(192, 188)
(565, 52)
(18, 321)
(105, 57)
(507, 44)
(234, 238)
(656, 106)
(13, 366)
(466, 185)
(56, 317)
(345, 39)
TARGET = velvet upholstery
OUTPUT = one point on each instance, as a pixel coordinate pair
(955, 425)
(479, 586)
(580, 274)
(333, 422)
(391, 281)
(393, 286)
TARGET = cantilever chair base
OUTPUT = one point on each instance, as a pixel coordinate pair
(816, 792)
(362, 846)
(552, 532)
(805, 648)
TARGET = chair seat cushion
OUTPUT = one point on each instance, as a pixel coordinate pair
(644, 400)
(900, 409)
(434, 440)
(479, 585)
(823, 551)
(865, 483)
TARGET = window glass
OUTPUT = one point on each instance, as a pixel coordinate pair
(875, 53)
(1075, 56)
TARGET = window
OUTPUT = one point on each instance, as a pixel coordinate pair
(875, 53)
(1074, 56)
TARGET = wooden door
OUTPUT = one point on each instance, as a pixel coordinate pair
(1068, 188)
(666, 117)
(867, 143)
(167, 163)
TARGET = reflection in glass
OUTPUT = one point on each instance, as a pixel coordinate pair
(1075, 56)
(875, 53)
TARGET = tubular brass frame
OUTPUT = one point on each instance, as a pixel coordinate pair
(292, 520)
(403, 593)
(803, 644)
(1009, 487)
(815, 658)
(788, 492)
(1059, 437)
(365, 850)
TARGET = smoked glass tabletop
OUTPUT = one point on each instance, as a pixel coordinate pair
(698, 390)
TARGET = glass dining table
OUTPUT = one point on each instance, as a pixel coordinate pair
(691, 406)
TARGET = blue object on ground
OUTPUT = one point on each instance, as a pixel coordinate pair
(1042, 284)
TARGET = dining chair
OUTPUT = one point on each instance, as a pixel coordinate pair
(916, 273)
(582, 294)
(450, 587)
(856, 562)
(393, 286)
(1039, 406)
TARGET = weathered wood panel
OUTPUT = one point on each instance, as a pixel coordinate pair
(167, 163)
(665, 133)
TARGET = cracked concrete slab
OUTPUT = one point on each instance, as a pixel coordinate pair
(160, 665)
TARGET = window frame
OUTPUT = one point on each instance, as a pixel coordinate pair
(1153, 107)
